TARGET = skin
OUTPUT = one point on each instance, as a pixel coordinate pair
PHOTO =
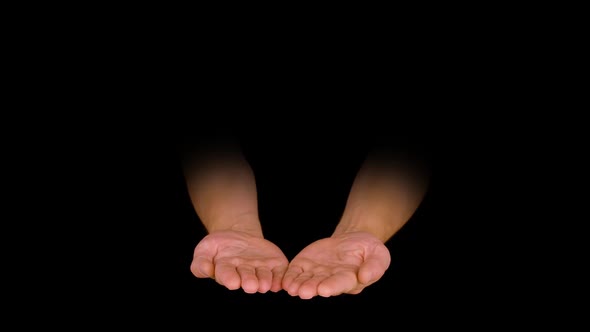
(238, 259)
(382, 199)
(235, 253)
(344, 263)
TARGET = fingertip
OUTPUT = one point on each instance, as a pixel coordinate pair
(202, 268)
(306, 294)
(264, 287)
(276, 286)
(278, 275)
(292, 289)
(232, 284)
(250, 286)
(286, 282)
(365, 276)
(324, 291)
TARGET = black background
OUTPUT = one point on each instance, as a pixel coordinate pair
(127, 230)
(104, 233)
(136, 256)
(123, 233)
(118, 245)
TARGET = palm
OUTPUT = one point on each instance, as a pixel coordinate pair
(236, 259)
(343, 264)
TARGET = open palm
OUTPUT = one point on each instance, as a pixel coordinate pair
(341, 264)
(237, 259)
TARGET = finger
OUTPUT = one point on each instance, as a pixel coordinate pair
(309, 288)
(359, 288)
(369, 272)
(202, 267)
(249, 279)
(264, 276)
(356, 290)
(227, 275)
(278, 274)
(373, 268)
(290, 275)
(296, 283)
(337, 284)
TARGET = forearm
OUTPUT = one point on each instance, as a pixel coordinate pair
(384, 196)
(223, 193)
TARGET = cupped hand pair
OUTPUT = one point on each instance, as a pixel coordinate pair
(341, 264)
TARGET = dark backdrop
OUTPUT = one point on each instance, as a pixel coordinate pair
(149, 230)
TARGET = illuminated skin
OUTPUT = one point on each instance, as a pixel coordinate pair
(234, 252)
(240, 260)
(382, 199)
(344, 263)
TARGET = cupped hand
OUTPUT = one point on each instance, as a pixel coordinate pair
(237, 259)
(341, 264)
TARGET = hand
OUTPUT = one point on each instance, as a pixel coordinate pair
(237, 259)
(341, 264)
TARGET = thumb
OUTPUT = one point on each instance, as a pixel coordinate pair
(202, 267)
(373, 268)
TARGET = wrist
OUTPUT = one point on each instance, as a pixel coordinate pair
(372, 224)
(247, 223)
